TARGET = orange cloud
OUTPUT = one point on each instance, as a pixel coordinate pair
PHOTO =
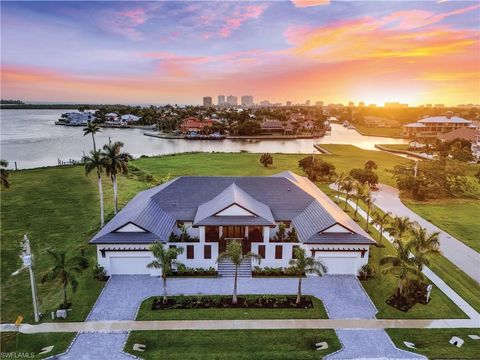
(367, 38)
(308, 3)
(239, 16)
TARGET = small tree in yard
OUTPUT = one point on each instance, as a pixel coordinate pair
(63, 270)
(424, 245)
(281, 234)
(165, 259)
(338, 182)
(266, 159)
(368, 200)
(303, 264)
(235, 254)
(360, 190)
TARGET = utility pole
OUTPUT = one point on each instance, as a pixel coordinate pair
(415, 169)
(27, 259)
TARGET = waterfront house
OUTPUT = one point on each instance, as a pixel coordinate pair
(193, 124)
(433, 126)
(272, 127)
(76, 118)
(216, 210)
(129, 118)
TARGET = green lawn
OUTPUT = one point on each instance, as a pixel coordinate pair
(34, 343)
(58, 209)
(379, 131)
(232, 344)
(396, 146)
(460, 218)
(145, 313)
(434, 344)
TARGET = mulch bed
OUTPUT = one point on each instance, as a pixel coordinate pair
(222, 302)
(417, 294)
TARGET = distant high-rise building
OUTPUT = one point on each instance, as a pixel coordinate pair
(439, 105)
(307, 103)
(207, 101)
(265, 103)
(361, 104)
(351, 104)
(247, 100)
(289, 103)
(221, 100)
(319, 103)
(428, 105)
(232, 100)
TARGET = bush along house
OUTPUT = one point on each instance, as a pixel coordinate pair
(270, 216)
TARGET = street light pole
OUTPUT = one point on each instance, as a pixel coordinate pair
(27, 259)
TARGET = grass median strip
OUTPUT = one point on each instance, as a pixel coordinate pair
(233, 344)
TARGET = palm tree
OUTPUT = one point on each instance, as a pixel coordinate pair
(381, 220)
(368, 200)
(165, 259)
(116, 162)
(96, 162)
(338, 182)
(399, 226)
(347, 187)
(424, 245)
(4, 174)
(401, 265)
(92, 128)
(370, 165)
(359, 192)
(63, 270)
(235, 254)
(303, 264)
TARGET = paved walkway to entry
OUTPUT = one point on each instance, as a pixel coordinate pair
(343, 296)
(387, 198)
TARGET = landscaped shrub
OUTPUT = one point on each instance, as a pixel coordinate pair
(186, 271)
(183, 237)
(245, 301)
(99, 273)
(366, 272)
(270, 271)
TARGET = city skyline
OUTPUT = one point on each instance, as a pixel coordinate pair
(160, 52)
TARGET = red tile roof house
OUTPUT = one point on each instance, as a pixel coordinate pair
(217, 210)
(193, 124)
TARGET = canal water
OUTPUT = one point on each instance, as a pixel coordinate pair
(31, 138)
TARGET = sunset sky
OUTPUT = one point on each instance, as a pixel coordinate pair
(177, 52)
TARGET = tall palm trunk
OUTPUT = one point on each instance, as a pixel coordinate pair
(65, 300)
(381, 232)
(346, 201)
(94, 144)
(299, 291)
(164, 278)
(234, 300)
(356, 207)
(368, 218)
(115, 193)
(100, 191)
(338, 192)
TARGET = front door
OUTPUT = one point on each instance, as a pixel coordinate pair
(233, 232)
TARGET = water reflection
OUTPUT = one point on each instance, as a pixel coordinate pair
(31, 138)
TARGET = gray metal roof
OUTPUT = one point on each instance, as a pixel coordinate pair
(127, 238)
(234, 195)
(282, 197)
(235, 220)
(339, 238)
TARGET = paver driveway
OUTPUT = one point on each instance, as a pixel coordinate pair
(343, 296)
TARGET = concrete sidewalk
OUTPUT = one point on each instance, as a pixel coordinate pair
(132, 325)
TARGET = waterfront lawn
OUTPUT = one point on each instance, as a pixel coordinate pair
(58, 209)
(233, 344)
(458, 217)
(344, 157)
(32, 344)
(146, 313)
(396, 146)
(434, 343)
(380, 131)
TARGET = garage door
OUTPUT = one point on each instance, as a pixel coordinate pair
(129, 265)
(340, 265)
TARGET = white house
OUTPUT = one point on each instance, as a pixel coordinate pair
(129, 118)
(216, 210)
